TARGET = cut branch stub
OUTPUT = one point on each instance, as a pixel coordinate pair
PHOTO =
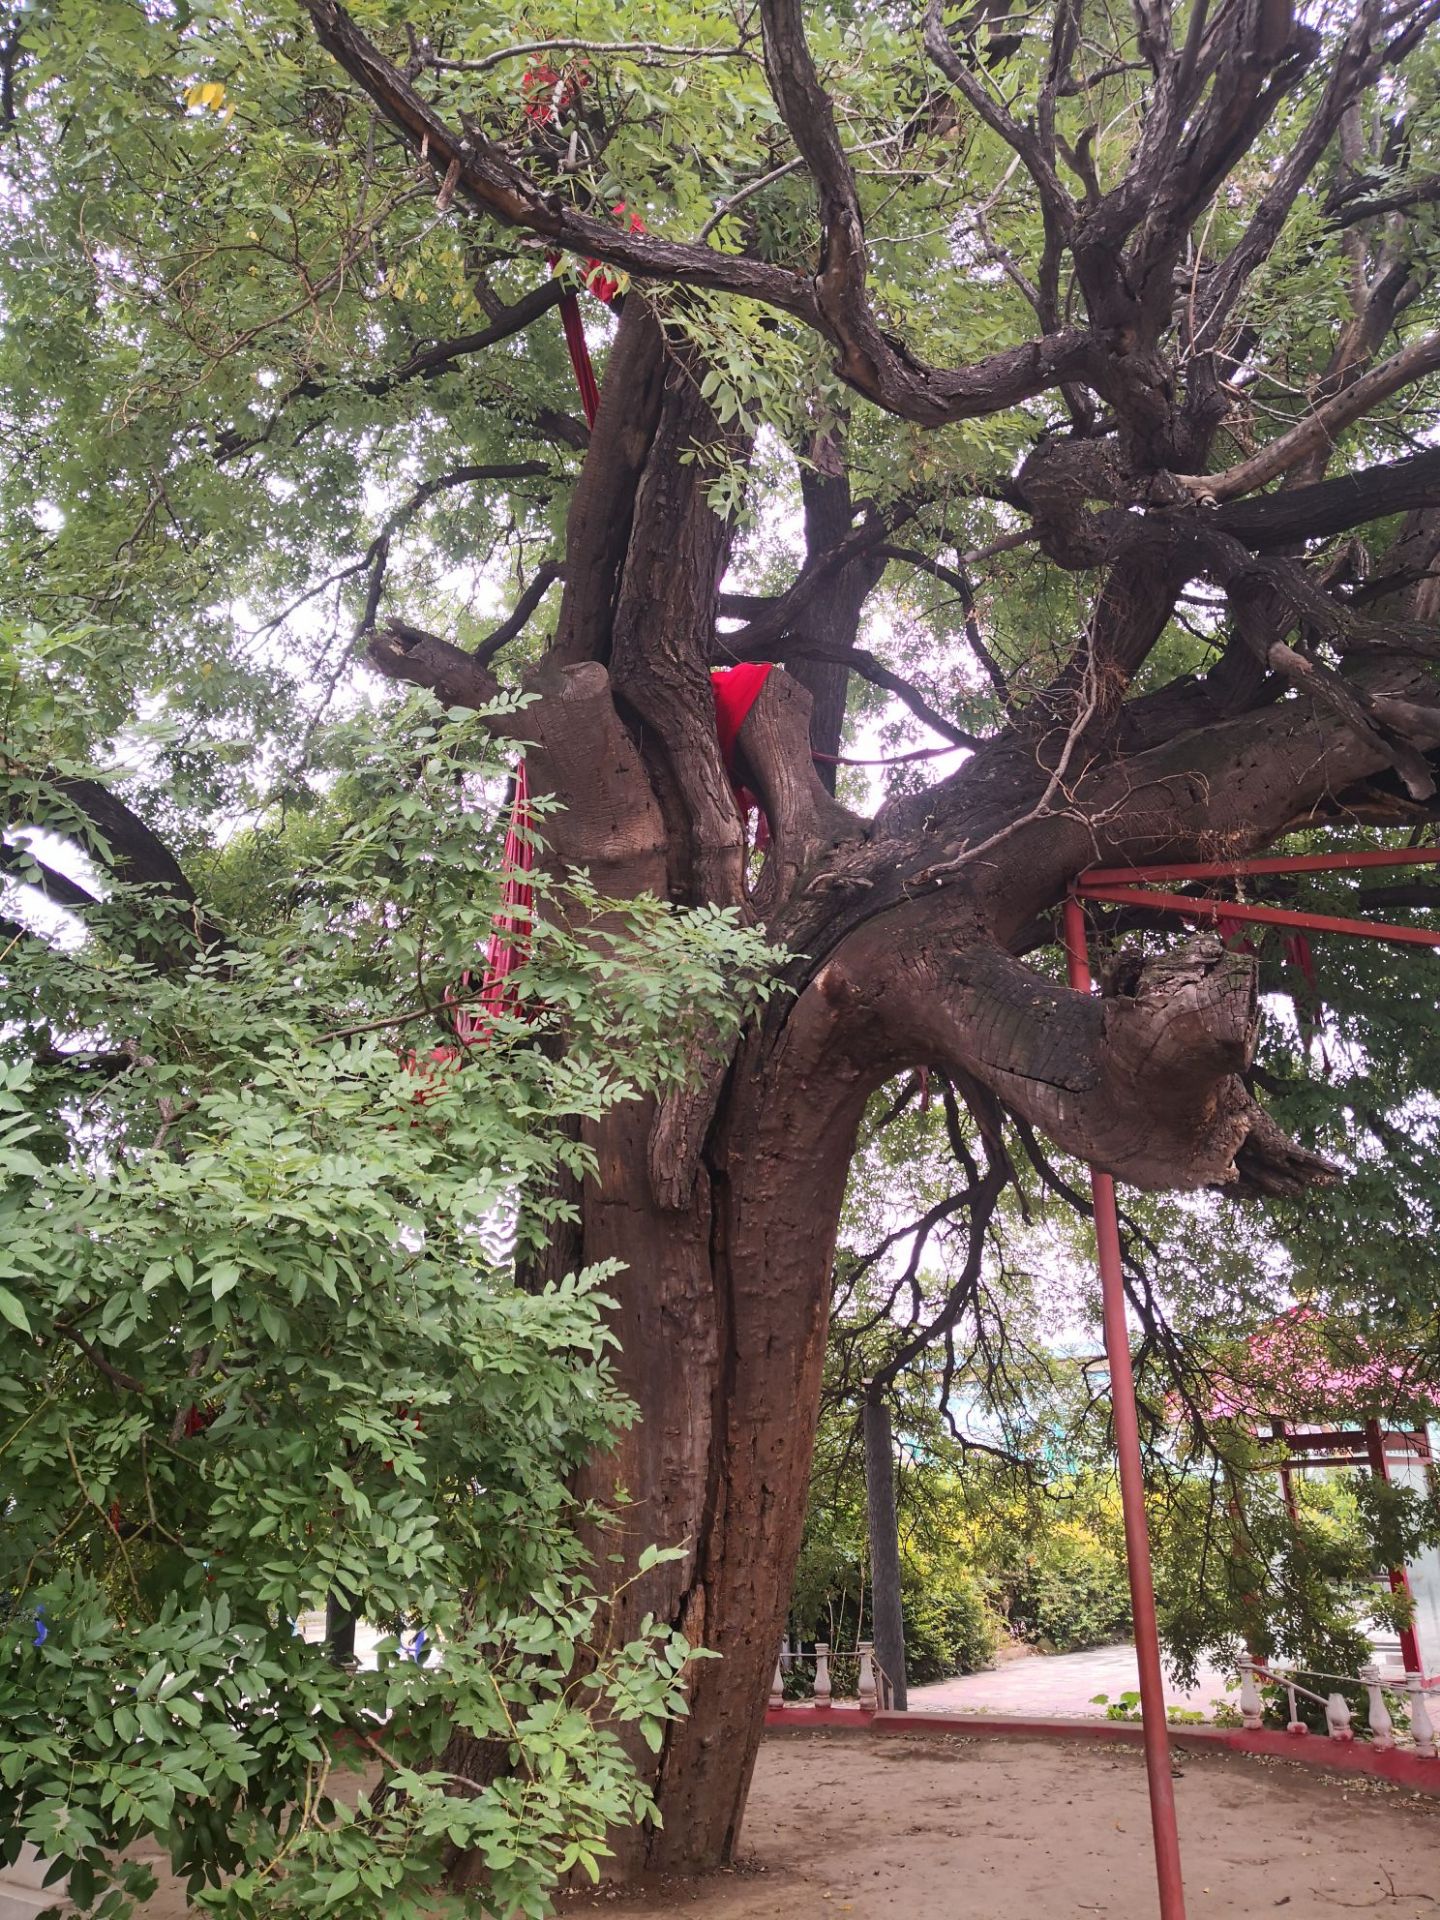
(403, 652)
(608, 820)
(1168, 1105)
(1145, 1084)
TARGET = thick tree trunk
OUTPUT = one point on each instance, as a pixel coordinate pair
(884, 1533)
(736, 1282)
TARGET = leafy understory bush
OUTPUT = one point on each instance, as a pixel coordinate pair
(1069, 1593)
(269, 1339)
(1126, 1706)
(950, 1626)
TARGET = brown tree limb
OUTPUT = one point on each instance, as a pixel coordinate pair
(544, 577)
(1361, 59)
(1274, 521)
(58, 888)
(1024, 140)
(879, 675)
(774, 754)
(1350, 209)
(983, 1201)
(130, 849)
(429, 363)
(115, 1375)
(655, 49)
(960, 581)
(1321, 427)
(377, 554)
(759, 636)
(400, 651)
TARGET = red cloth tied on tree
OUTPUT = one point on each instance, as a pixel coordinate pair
(736, 689)
(1309, 1008)
(598, 281)
(506, 948)
(548, 94)
(580, 357)
(1233, 933)
(1312, 1012)
(605, 287)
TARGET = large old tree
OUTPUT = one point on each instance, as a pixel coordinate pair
(1051, 382)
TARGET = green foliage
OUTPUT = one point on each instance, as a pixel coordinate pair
(1231, 1575)
(1066, 1588)
(270, 1339)
(1126, 1707)
(984, 1553)
(950, 1625)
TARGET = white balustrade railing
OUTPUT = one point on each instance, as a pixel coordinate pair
(1379, 1720)
(873, 1691)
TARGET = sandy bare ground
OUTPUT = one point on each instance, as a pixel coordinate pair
(962, 1829)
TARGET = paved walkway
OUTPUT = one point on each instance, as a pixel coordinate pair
(1060, 1683)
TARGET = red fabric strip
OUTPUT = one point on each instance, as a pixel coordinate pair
(580, 356)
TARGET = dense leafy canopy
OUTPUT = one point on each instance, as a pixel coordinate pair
(266, 1345)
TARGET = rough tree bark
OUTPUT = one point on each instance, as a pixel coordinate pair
(911, 928)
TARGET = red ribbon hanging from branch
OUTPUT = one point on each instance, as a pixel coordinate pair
(605, 288)
(580, 356)
(510, 929)
(510, 932)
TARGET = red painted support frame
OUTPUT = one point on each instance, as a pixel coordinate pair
(1128, 886)
(1399, 1579)
(1126, 1419)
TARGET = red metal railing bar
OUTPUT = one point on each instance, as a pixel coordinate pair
(1195, 908)
(1269, 863)
(1399, 1446)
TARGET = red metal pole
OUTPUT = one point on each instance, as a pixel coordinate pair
(1132, 1494)
(1287, 1479)
(1399, 1579)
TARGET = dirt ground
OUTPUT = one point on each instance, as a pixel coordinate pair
(962, 1829)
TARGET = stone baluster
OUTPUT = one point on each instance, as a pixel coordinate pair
(777, 1686)
(1382, 1727)
(822, 1673)
(1252, 1707)
(869, 1698)
(1294, 1724)
(1337, 1717)
(1422, 1728)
